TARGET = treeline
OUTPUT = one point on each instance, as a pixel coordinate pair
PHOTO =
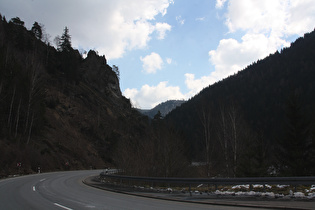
(258, 122)
(27, 60)
(158, 152)
(24, 60)
(21, 82)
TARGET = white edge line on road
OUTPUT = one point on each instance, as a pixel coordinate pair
(61, 206)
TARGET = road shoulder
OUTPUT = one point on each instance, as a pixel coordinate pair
(256, 202)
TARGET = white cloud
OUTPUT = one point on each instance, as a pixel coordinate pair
(200, 19)
(152, 63)
(280, 17)
(168, 60)
(220, 3)
(111, 27)
(161, 28)
(232, 56)
(301, 18)
(196, 85)
(257, 16)
(180, 20)
(276, 17)
(150, 96)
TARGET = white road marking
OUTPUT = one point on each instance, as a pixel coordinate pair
(42, 180)
(61, 206)
(34, 188)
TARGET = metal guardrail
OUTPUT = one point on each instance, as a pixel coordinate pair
(293, 181)
(111, 171)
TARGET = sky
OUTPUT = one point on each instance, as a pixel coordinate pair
(170, 49)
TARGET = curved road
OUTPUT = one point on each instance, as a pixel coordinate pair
(65, 190)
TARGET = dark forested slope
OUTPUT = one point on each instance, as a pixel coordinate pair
(259, 96)
(58, 110)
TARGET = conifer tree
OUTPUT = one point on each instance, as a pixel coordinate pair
(17, 21)
(37, 30)
(158, 116)
(65, 41)
(294, 144)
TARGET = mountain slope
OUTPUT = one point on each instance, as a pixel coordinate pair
(260, 95)
(58, 110)
(164, 108)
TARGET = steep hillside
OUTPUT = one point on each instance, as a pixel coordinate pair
(164, 108)
(58, 110)
(259, 96)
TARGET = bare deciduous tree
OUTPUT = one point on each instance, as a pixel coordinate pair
(11, 106)
(34, 90)
(206, 121)
(17, 118)
(223, 137)
(232, 134)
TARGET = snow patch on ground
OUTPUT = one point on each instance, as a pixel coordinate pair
(267, 191)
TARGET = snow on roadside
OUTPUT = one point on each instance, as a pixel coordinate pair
(242, 190)
(258, 190)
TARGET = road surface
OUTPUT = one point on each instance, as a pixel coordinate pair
(65, 190)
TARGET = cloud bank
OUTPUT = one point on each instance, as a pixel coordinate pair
(150, 96)
(151, 63)
(111, 27)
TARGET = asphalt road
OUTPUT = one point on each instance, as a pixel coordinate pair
(65, 190)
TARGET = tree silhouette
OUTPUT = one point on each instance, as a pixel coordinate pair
(65, 41)
(37, 31)
(116, 70)
(294, 144)
(17, 21)
(205, 116)
(158, 116)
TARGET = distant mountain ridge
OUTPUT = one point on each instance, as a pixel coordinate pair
(164, 108)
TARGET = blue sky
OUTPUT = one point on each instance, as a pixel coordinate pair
(171, 49)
